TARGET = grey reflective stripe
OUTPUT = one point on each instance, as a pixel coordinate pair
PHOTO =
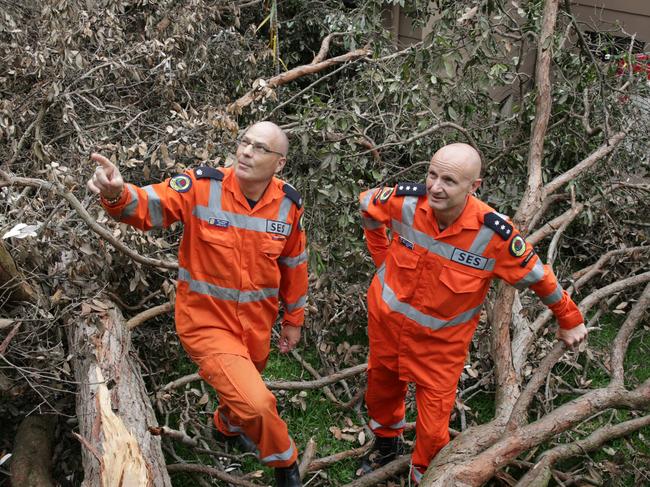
(366, 200)
(285, 207)
(214, 211)
(294, 261)
(229, 426)
(415, 473)
(280, 457)
(408, 210)
(226, 293)
(554, 297)
(129, 210)
(395, 426)
(482, 240)
(155, 207)
(431, 244)
(214, 201)
(390, 298)
(533, 277)
(297, 305)
(370, 223)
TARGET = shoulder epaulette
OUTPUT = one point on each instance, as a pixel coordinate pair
(498, 224)
(208, 172)
(410, 189)
(292, 194)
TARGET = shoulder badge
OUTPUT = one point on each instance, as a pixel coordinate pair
(498, 224)
(301, 223)
(181, 183)
(410, 189)
(292, 194)
(517, 246)
(208, 172)
(384, 194)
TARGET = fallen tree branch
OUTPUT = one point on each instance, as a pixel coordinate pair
(622, 340)
(325, 47)
(291, 75)
(595, 440)
(86, 217)
(212, 472)
(284, 385)
(585, 164)
(381, 474)
(140, 318)
(307, 457)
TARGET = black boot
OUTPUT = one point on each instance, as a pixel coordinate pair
(288, 476)
(384, 451)
(241, 443)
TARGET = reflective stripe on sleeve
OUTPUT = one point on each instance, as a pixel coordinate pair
(297, 305)
(280, 457)
(415, 474)
(390, 298)
(129, 210)
(294, 261)
(533, 277)
(554, 297)
(155, 207)
(226, 293)
(370, 223)
(395, 426)
(366, 200)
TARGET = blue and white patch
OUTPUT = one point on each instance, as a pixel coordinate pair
(219, 223)
(406, 243)
(281, 228)
(469, 259)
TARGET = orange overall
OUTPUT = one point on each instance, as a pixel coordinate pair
(425, 299)
(235, 265)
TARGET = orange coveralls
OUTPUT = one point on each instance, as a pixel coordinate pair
(425, 299)
(235, 264)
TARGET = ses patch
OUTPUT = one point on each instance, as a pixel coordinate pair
(469, 259)
(281, 228)
(181, 183)
(517, 246)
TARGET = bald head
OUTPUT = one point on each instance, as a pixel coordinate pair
(463, 156)
(272, 134)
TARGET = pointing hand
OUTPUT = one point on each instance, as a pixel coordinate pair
(106, 179)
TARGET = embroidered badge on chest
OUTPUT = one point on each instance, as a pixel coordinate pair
(281, 228)
(219, 223)
(469, 259)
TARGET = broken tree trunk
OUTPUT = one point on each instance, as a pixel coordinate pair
(31, 463)
(113, 408)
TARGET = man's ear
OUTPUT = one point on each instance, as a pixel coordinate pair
(476, 184)
(281, 162)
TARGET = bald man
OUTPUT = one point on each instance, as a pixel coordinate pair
(242, 252)
(425, 299)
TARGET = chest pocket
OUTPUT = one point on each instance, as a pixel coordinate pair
(267, 272)
(216, 254)
(403, 268)
(272, 248)
(460, 281)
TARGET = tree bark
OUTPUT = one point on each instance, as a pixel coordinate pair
(113, 408)
(31, 464)
(11, 277)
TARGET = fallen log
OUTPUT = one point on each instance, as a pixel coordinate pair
(113, 408)
(31, 463)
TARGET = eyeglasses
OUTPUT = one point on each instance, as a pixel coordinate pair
(258, 148)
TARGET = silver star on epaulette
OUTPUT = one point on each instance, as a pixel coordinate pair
(496, 222)
(408, 188)
(503, 227)
(508, 231)
(199, 172)
(401, 187)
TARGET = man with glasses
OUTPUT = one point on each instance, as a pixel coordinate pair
(243, 250)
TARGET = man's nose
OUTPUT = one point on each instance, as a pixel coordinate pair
(435, 186)
(248, 150)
